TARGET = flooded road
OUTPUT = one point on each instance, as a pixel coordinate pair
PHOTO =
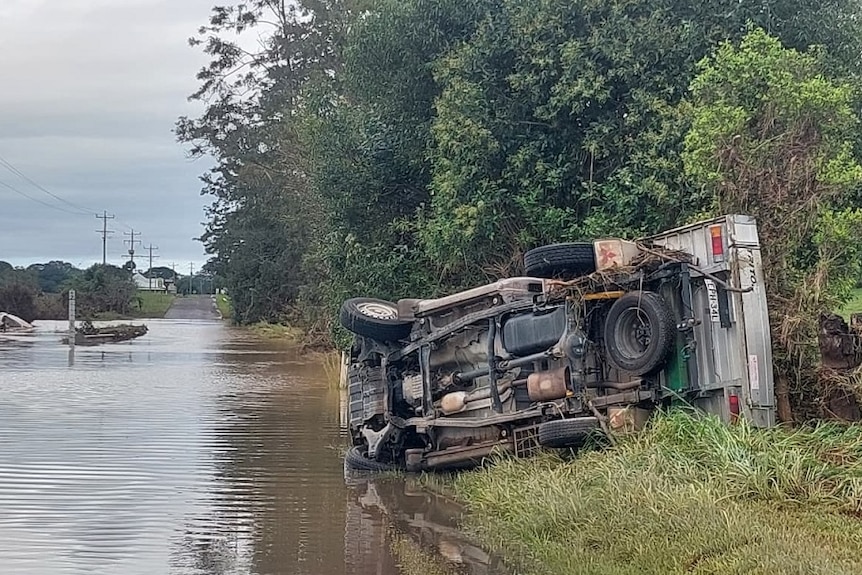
(195, 449)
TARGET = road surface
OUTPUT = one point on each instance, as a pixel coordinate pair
(193, 307)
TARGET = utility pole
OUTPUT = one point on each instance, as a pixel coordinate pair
(151, 247)
(132, 243)
(105, 231)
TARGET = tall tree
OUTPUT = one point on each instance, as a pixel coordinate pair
(263, 210)
(370, 141)
(54, 275)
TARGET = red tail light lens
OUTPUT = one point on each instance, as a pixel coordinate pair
(733, 403)
(717, 244)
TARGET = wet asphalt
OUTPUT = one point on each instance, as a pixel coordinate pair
(193, 307)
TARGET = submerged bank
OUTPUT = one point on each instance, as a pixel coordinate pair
(686, 496)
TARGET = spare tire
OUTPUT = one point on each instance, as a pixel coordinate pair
(639, 333)
(562, 433)
(374, 318)
(566, 260)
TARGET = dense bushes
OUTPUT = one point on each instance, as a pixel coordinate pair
(405, 148)
(41, 290)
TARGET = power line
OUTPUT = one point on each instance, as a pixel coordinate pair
(11, 168)
(38, 201)
(82, 210)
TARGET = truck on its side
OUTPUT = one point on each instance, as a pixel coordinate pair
(595, 337)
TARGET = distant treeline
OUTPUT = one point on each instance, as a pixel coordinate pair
(40, 291)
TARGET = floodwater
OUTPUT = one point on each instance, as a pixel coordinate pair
(196, 449)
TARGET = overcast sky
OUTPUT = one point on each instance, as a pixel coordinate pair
(89, 93)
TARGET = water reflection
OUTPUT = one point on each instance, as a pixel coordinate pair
(193, 450)
(382, 509)
(276, 468)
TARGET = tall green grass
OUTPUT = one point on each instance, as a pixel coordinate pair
(688, 495)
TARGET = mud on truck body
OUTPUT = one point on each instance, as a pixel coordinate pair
(595, 337)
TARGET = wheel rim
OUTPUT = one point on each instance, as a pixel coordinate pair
(377, 310)
(633, 333)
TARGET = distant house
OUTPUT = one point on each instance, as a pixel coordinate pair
(146, 284)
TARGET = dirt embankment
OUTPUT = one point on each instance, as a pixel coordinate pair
(841, 367)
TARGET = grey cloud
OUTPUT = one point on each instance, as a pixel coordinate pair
(91, 91)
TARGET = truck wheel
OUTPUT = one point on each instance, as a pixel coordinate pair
(570, 260)
(639, 333)
(374, 318)
(356, 459)
(562, 433)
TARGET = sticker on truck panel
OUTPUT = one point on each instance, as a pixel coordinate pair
(753, 373)
(712, 296)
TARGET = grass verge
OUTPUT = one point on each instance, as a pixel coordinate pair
(224, 306)
(686, 496)
(277, 331)
(151, 304)
(853, 305)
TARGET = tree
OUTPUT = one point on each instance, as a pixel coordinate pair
(398, 148)
(368, 136)
(103, 288)
(772, 135)
(559, 120)
(264, 211)
(18, 297)
(54, 275)
(161, 272)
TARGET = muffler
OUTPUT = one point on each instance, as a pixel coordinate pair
(548, 385)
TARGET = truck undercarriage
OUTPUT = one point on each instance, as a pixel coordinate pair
(580, 348)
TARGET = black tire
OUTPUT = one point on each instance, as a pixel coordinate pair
(563, 433)
(566, 260)
(639, 333)
(374, 318)
(356, 459)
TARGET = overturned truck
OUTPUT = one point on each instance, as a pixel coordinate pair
(594, 338)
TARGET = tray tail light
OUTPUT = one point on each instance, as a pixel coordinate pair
(717, 236)
(733, 407)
